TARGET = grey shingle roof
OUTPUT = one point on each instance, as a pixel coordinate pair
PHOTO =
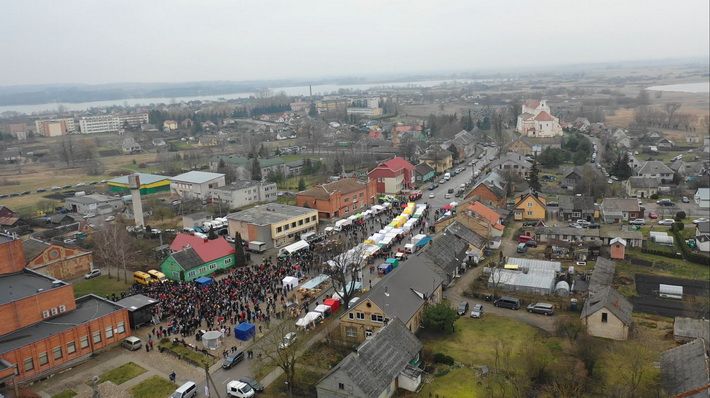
(654, 167)
(380, 359)
(602, 275)
(568, 203)
(613, 301)
(187, 258)
(466, 234)
(644, 182)
(684, 368)
(402, 292)
(447, 252)
(687, 328)
(704, 227)
(618, 205)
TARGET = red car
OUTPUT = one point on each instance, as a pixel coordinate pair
(652, 215)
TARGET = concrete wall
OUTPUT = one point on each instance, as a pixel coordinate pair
(613, 329)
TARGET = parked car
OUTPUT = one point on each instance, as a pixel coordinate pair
(132, 343)
(685, 199)
(508, 302)
(110, 218)
(583, 223)
(252, 383)
(666, 221)
(638, 221)
(541, 308)
(451, 190)
(232, 359)
(288, 340)
(432, 195)
(93, 273)
(239, 389)
(463, 308)
(531, 243)
(701, 219)
(477, 311)
(652, 215)
(521, 248)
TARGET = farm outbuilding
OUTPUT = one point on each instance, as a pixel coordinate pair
(526, 275)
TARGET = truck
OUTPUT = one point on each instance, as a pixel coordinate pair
(256, 246)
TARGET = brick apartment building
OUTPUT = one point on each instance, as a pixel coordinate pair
(393, 176)
(43, 329)
(340, 198)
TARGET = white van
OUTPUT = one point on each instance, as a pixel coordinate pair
(187, 390)
(132, 343)
(239, 389)
(447, 176)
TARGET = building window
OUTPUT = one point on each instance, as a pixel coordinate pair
(121, 327)
(29, 364)
(300, 222)
(109, 332)
(341, 386)
(96, 337)
(53, 311)
(529, 204)
(293, 224)
(377, 318)
(62, 308)
(278, 229)
(530, 213)
(57, 353)
(71, 347)
(360, 316)
(45, 314)
(351, 316)
(214, 266)
(43, 360)
(228, 260)
(350, 331)
(368, 333)
(84, 341)
(604, 317)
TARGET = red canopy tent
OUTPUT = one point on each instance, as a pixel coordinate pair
(332, 303)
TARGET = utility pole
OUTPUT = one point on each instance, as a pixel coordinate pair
(208, 381)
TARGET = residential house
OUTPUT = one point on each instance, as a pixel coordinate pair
(685, 169)
(656, 169)
(424, 173)
(566, 234)
(621, 138)
(464, 142)
(702, 198)
(379, 366)
(437, 158)
(536, 120)
(130, 145)
(607, 314)
(513, 163)
(192, 257)
(186, 123)
(530, 146)
(665, 144)
(8, 218)
(196, 184)
(602, 275)
(340, 198)
(685, 372)
(632, 238)
(616, 210)
(57, 261)
(492, 189)
(95, 204)
(476, 242)
(404, 293)
(393, 175)
(530, 206)
(576, 207)
(574, 177)
(642, 187)
(274, 224)
(492, 217)
(617, 249)
(581, 124)
(689, 329)
(702, 236)
(170, 125)
(243, 193)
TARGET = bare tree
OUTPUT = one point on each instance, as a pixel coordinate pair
(274, 349)
(113, 248)
(671, 108)
(344, 267)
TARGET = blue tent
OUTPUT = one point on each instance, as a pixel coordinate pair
(424, 241)
(203, 281)
(244, 331)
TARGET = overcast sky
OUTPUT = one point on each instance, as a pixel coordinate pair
(104, 41)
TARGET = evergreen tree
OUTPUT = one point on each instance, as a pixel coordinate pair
(621, 168)
(255, 169)
(301, 184)
(312, 111)
(534, 180)
(467, 122)
(337, 167)
(239, 255)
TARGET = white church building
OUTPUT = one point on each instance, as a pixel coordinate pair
(536, 120)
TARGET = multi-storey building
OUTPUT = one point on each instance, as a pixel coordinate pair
(274, 224)
(111, 123)
(339, 198)
(43, 329)
(244, 192)
(55, 127)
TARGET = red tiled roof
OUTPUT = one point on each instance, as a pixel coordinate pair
(397, 164)
(544, 117)
(532, 103)
(208, 250)
(486, 212)
(344, 186)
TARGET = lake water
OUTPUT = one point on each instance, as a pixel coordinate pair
(291, 91)
(700, 87)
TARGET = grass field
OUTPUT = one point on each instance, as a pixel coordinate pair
(122, 373)
(153, 387)
(101, 286)
(65, 394)
(186, 352)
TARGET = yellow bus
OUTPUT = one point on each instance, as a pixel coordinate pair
(142, 278)
(157, 275)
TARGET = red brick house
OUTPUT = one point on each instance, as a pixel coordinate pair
(57, 261)
(339, 198)
(392, 176)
